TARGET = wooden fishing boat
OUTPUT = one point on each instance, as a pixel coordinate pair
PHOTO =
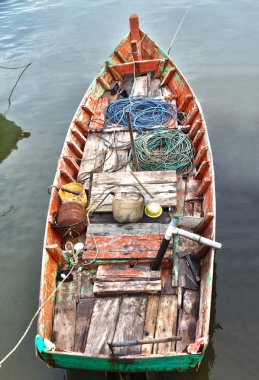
(116, 312)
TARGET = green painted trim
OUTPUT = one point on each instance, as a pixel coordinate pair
(166, 363)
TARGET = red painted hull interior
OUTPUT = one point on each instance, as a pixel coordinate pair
(116, 297)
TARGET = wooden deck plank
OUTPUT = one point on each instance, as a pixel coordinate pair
(166, 278)
(115, 229)
(65, 317)
(102, 325)
(140, 247)
(188, 319)
(126, 273)
(166, 324)
(86, 289)
(140, 87)
(93, 157)
(150, 323)
(165, 198)
(130, 323)
(161, 185)
(154, 89)
(137, 279)
(116, 159)
(83, 317)
(128, 287)
(147, 177)
(187, 245)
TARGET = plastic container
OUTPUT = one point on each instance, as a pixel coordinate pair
(128, 207)
(69, 197)
(153, 210)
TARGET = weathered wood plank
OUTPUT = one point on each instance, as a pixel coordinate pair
(188, 319)
(140, 87)
(103, 323)
(130, 323)
(150, 323)
(123, 247)
(166, 324)
(83, 317)
(204, 222)
(86, 289)
(116, 159)
(128, 287)
(167, 93)
(200, 253)
(146, 177)
(114, 229)
(65, 317)
(126, 273)
(186, 191)
(164, 190)
(152, 189)
(206, 182)
(166, 279)
(189, 221)
(187, 245)
(93, 157)
(143, 66)
(154, 90)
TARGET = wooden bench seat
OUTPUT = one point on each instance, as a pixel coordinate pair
(122, 279)
(161, 185)
(133, 241)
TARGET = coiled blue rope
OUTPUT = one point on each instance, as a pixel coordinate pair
(145, 113)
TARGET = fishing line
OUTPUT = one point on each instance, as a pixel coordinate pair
(25, 67)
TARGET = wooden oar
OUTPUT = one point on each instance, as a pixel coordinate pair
(136, 342)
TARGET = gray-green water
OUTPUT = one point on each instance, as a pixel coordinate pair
(217, 50)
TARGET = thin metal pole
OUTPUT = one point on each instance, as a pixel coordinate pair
(135, 158)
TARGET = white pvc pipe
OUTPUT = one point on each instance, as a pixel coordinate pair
(195, 237)
(172, 230)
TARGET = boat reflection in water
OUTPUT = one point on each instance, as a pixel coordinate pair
(10, 134)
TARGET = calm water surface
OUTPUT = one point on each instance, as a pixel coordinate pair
(217, 50)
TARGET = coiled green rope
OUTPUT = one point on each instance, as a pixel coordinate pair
(164, 149)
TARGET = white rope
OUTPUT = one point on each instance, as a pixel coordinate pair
(74, 262)
(177, 30)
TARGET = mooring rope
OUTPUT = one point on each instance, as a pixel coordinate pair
(177, 30)
(73, 263)
(164, 149)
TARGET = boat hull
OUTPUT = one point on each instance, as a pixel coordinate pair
(159, 363)
(179, 362)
